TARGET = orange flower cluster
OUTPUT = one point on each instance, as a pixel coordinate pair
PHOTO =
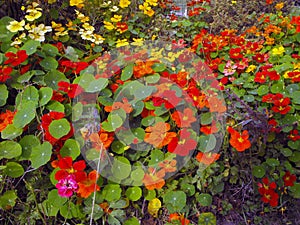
(143, 68)
(6, 119)
(125, 105)
(239, 140)
(207, 158)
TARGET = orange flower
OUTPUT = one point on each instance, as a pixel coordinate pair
(88, 185)
(168, 166)
(239, 140)
(125, 105)
(158, 135)
(184, 119)
(154, 180)
(142, 68)
(6, 119)
(180, 217)
(207, 158)
(105, 207)
(209, 129)
(216, 105)
(101, 139)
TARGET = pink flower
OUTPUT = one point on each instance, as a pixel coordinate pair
(67, 186)
(230, 68)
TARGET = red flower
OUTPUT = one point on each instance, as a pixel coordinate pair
(122, 27)
(236, 53)
(5, 73)
(260, 58)
(289, 179)
(273, 126)
(209, 129)
(72, 90)
(260, 77)
(296, 21)
(295, 76)
(281, 106)
(16, 59)
(154, 179)
(269, 2)
(239, 140)
(6, 118)
(267, 191)
(67, 167)
(184, 145)
(294, 135)
(74, 67)
(168, 97)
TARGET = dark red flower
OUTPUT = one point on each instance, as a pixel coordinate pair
(236, 53)
(72, 90)
(259, 57)
(5, 73)
(294, 135)
(16, 59)
(289, 179)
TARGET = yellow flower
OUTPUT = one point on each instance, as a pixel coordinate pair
(250, 68)
(82, 17)
(297, 65)
(153, 37)
(15, 26)
(278, 51)
(147, 9)
(116, 18)
(90, 29)
(19, 40)
(137, 42)
(120, 43)
(33, 14)
(156, 54)
(71, 26)
(154, 206)
(233, 2)
(77, 3)
(124, 3)
(98, 39)
(108, 25)
(87, 36)
(152, 2)
(279, 6)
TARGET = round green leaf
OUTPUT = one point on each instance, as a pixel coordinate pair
(137, 174)
(112, 192)
(292, 88)
(77, 110)
(134, 193)
(10, 149)
(263, 90)
(258, 171)
(277, 88)
(41, 154)
(159, 67)
(53, 77)
(272, 162)
(30, 94)
(248, 98)
(45, 95)
(207, 219)
(207, 142)
(13, 169)
(295, 157)
(286, 152)
(97, 85)
(113, 122)
(55, 199)
(205, 199)
(3, 94)
(175, 201)
(156, 157)
(118, 147)
(71, 148)
(189, 189)
(55, 106)
(121, 168)
(153, 78)
(296, 97)
(59, 128)
(49, 63)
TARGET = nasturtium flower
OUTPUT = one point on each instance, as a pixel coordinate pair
(114, 9)
(88, 184)
(5, 73)
(153, 179)
(178, 217)
(6, 118)
(15, 26)
(108, 25)
(121, 27)
(121, 43)
(124, 104)
(158, 135)
(267, 191)
(72, 90)
(239, 140)
(185, 118)
(207, 158)
(152, 2)
(116, 18)
(101, 140)
(294, 135)
(278, 50)
(147, 9)
(77, 3)
(81, 16)
(137, 42)
(289, 179)
(124, 3)
(15, 59)
(168, 166)
(183, 144)
(33, 14)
